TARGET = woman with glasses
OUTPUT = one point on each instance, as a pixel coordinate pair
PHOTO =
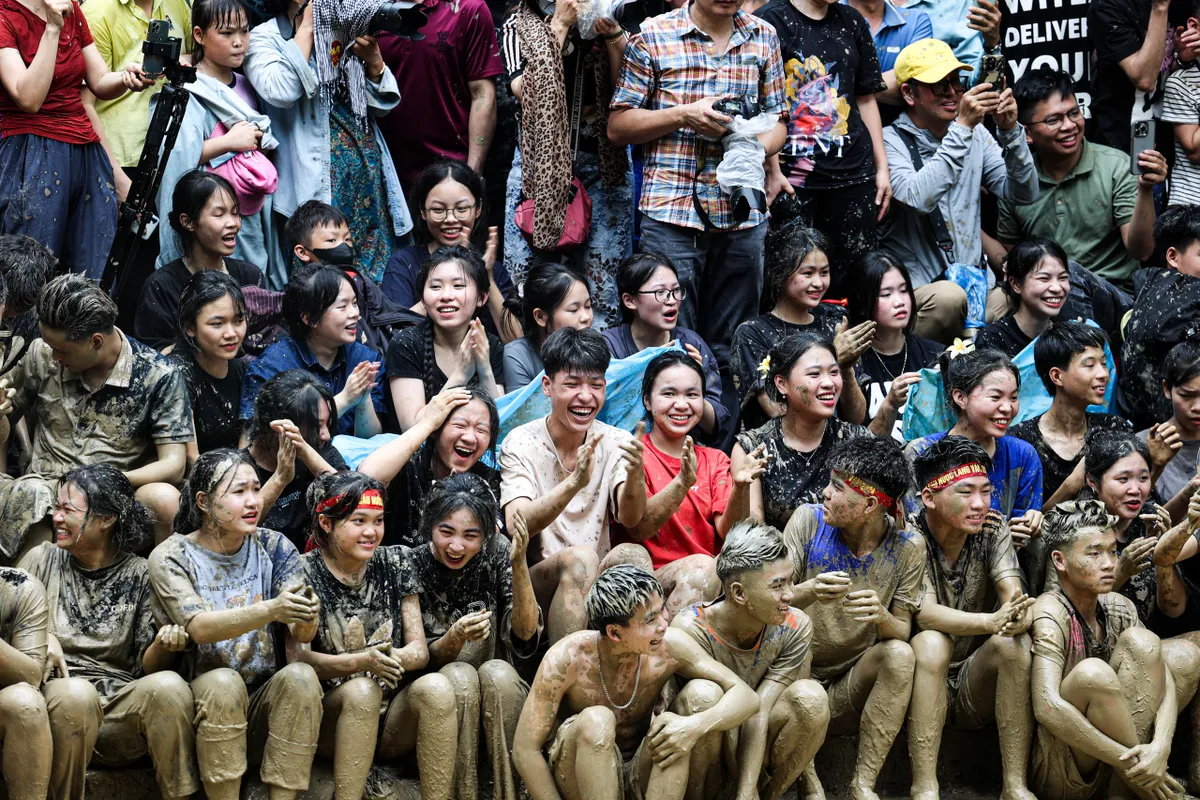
(447, 206)
(650, 300)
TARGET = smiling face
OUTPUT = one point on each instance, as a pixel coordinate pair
(962, 506)
(894, 307)
(1185, 405)
(646, 628)
(807, 285)
(450, 297)
(339, 324)
(1125, 487)
(843, 505)
(1089, 562)
(236, 502)
(216, 228)
(458, 208)
(1085, 378)
(1065, 140)
(935, 102)
(662, 316)
(676, 401)
(573, 311)
(72, 525)
(465, 437)
(991, 406)
(814, 384)
(575, 400)
(225, 42)
(1045, 288)
(457, 539)
(358, 535)
(219, 330)
(766, 594)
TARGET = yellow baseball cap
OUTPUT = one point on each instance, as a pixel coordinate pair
(927, 61)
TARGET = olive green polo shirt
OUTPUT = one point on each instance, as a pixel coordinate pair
(1084, 213)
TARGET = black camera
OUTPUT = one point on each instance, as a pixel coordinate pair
(737, 107)
(404, 19)
(160, 48)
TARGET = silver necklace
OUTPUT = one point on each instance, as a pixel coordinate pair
(903, 363)
(636, 679)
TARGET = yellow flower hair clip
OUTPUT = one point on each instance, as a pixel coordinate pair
(764, 366)
(961, 347)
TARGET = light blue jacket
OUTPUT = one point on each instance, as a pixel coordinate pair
(287, 86)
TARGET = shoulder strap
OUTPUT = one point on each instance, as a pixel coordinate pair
(941, 233)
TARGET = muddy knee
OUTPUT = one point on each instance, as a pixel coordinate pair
(696, 696)
(596, 727)
(629, 553)
(221, 698)
(1140, 644)
(1014, 652)
(169, 694)
(23, 706)
(72, 701)
(896, 659)
(300, 681)
(1094, 676)
(931, 652)
(433, 694)
(578, 567)
(806, 702)
(160, 499)
(498, 678)
(360, 696)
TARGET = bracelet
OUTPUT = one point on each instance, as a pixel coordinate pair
(612, 36)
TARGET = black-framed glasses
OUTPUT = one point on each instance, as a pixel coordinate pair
(663, 295)
(1055, 121)
(461, 212)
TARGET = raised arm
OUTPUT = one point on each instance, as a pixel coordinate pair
(540, 512)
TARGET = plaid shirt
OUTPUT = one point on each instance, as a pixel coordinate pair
(672, 63)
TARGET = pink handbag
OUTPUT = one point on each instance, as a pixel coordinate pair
(251, 174)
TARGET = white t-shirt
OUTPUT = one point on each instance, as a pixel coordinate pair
(1181, 104)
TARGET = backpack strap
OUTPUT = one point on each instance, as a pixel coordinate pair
(941, 233)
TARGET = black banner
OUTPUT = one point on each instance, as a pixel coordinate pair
(1050, 33)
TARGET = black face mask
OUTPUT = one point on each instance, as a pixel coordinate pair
(342, 255)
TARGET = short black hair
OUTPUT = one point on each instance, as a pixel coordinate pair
(864, 291)
(664, 361)
(1178, 227)
(879, 460)
(192, 192)
(1062, 342)
(967, 371)
(1040, 84)
(1024, 258)
(947, 453)
(310, 291)
(633, 273)
(1182, 363)
(456, 492)
(77, 306)
(311, 215)
(27, 266)
(575, 352)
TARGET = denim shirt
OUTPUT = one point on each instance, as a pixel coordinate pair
(299, 113)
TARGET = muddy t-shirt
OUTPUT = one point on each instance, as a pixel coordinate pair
(356, 617)
(1061, 636)
(986, 559)
(189, 580)
(102, 617)
(778, 654)
(895, 570)
(484, 584)
(23, 614)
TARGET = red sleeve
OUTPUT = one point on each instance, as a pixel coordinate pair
(85, 33)
(8, 34)
(720, 478)
(483, 54)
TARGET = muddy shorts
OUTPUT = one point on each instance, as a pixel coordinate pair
(961, 711)
(631, 769)
(1054, 775)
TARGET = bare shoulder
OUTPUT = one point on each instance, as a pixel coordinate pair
(567, 657)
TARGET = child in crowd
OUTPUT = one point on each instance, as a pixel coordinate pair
(882, 293)
(224, 133)
(650, 300)
(1038, 283)
(1181, 386)
(205, 216)
(553, 296)
(692, 497)
(796, 276)
(451, 348)
(208, 341)
(368, 636)
(447, 206)
(805, 379)
(320, 308)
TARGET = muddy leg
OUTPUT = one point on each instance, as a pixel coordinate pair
(927, 711)
(880, 684)
(423, 716)
(561, 583)
(465, 682)
(349, 725)
(795, 732)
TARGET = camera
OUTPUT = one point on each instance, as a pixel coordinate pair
(402, 18)
(740, 173)
(737, 107)
(160, 49)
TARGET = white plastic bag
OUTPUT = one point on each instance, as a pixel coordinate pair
(742, 164)
(592, 11)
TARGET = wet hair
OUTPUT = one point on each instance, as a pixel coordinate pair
(616, 595)
(208, 14)
(110, 494)
(864, 293)
(349, 486)
(435, 174)
(967, 372)
(191, 193)
(575, 353)
(878, 460)
(77, 306)
(1064, 522)
(633, 273)
(1182, 363)
(546, 286)
(661, 363)
(205, 287)
(1178, 227)
(294, 394)
(477, 393)
(947, 453)
(311, 290)
(784, 251)
(750, 545)
(1104, 448)
(785, 355)
(311, 214)
(1040, 84)
(27, 266)
(1024, 258)
(209, 471)
(1060, 344)
(465, 490)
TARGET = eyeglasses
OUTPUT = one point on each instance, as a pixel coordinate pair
(944, 87)
(663, 295)
(460, 212)
(1055, 121)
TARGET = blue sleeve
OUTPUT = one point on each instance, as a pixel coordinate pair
(922, 26)
(360, 353)
(399, 281)
(1029, 488)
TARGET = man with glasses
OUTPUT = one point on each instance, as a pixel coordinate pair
(940, 158)
(1087, 200)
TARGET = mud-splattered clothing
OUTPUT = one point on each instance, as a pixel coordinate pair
(484, 584)
(189, 580)
(102, 617)
(895, 570)
(407, 492)
(793, 478)
(143, 403)
(1055, 468)
(215, 402)
(1016, 475)
(24, 502)
(1164, 313)
(355, 617)
(23, 614)
(530, 468)
(289, 514)
(778, 654)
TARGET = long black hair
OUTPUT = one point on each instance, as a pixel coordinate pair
(864, 291)
(206, 286)
(208, 473)
(785, 355)
(294, 394)
(110, 494)
(457, 492)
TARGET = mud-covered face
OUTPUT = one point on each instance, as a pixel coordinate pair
(1089, 562)
(961, 506)
(72, 525)
(465, 437)
(236, 502)
(457, 539)
(768, 592)
(814, 384)
(646, 628)
(843, 506)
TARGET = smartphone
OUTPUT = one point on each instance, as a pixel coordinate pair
(992, 70)
(1143, 131)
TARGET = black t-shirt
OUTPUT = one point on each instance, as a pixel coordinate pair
(875, 372)
(158, 310)
(828, 64)
(215, 402)
(289, 515)
(406, 498)
(410, 355)
(1055, 468)
(1003, 335)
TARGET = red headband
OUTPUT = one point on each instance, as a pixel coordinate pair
(371, 500)
(869, 490)
(961, 473)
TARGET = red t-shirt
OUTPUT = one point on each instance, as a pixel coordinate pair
(690, 530)
(433, 75)
(62, 116)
